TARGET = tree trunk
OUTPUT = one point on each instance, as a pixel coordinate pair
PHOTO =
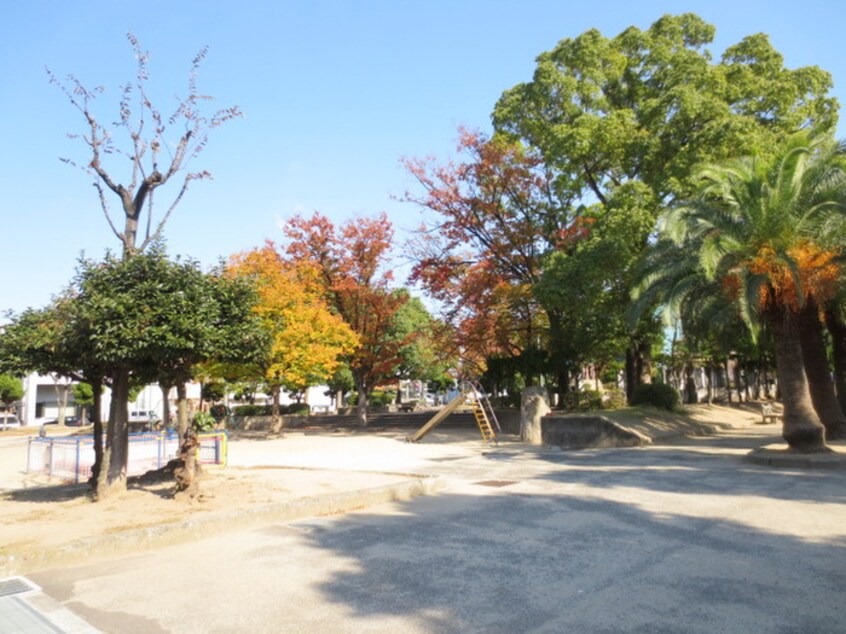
(802, 429)
(728, 379)
(112, 476)
(708, 378)
(275, 415)
(361, 407)
(631, 373)
(165, 388)
(186, 473)
(644, 362)
(817, 370)
(61, 399)
(97, 415)
(691, 394)
(738, 380)
(837, 330)
(557, 363)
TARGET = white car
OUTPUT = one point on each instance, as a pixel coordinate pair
(9, 420)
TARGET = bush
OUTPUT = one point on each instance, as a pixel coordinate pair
(614, 399)
(582, 401)
(656, 394)
(377, 398)
(252, 410)
(219, 411)
(296, 409)
(203, 421)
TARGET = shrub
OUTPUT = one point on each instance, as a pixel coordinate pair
(252, 410)
(296, 409)
(614, 399)
(219, 411)
(582, 401)
(656, 394)
(203, 421)
(377, 398)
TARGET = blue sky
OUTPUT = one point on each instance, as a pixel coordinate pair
(335, 93)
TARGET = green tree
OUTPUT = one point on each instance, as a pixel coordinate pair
(152, 318)
(621, 122)
(83, 396)
(422, 354)
(11, 389)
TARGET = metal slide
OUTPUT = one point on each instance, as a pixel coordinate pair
(437, 419)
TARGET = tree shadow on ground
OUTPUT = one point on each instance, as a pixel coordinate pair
(696, 466)
(516, 562)
(52, 493)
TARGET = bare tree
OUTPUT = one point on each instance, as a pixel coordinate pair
(155, 153)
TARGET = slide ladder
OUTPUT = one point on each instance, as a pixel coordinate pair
(483, 412)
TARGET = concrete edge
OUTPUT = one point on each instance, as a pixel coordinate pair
(779, 456)
(133, 541)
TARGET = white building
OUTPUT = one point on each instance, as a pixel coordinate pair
(44, 396)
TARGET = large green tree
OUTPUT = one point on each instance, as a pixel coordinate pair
(621, 122)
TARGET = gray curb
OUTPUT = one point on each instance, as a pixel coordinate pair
(779, 456)
(132, 541)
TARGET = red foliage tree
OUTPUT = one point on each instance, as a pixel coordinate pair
(351, 260)
(497, 215)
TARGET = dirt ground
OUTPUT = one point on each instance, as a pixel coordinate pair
(50, 516)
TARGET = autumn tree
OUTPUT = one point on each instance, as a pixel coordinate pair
(481, 257)
(351, 262)
(308, 341)
(132, 158)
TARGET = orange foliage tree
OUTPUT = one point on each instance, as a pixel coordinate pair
(308, 339)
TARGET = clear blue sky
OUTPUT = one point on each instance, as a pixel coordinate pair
(335, 93)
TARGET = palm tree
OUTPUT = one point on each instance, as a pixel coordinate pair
(758, 229)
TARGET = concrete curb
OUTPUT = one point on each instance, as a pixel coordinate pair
(132, 541)
(779, 456)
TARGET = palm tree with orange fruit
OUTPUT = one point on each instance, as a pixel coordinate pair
(765, 233)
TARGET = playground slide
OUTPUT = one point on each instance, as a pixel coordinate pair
(437, 419)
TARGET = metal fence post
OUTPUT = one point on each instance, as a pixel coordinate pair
(76, 466)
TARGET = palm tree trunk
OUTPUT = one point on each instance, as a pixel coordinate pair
(802, 428)
(817, 370)
(837, 330)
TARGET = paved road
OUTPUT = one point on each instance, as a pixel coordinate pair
(679, 538)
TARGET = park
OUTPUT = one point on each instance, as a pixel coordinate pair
(600, 388)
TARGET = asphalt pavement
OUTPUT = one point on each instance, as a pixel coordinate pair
(682, 537)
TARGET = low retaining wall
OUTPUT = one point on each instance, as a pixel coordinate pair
(579, 432)
(260, 423)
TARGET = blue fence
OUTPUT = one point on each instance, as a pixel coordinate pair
(71, 458)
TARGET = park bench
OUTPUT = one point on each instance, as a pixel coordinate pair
(769, 415)
(408, 406)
